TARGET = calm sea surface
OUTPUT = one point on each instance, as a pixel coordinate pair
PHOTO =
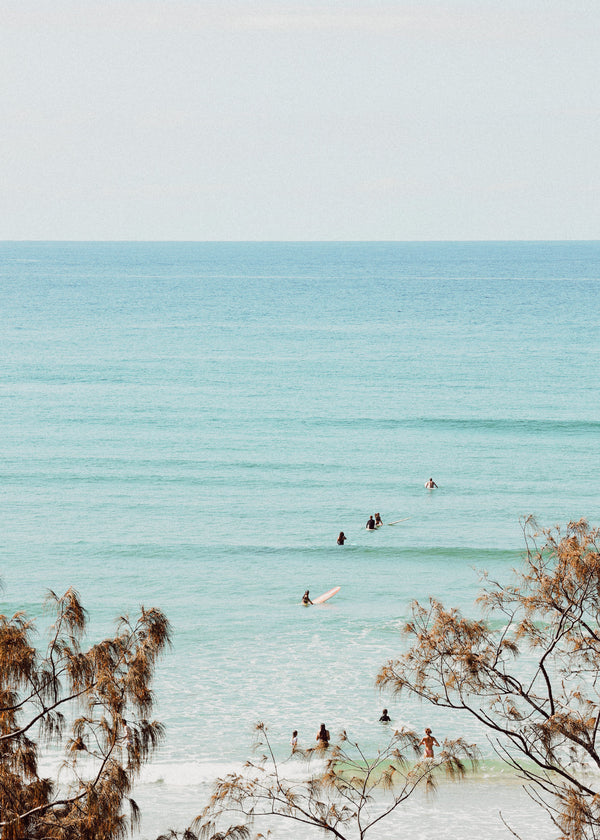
(191, 425)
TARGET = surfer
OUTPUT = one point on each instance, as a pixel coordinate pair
(370, 526)
(378, 521)
(323, 736)
(430, 484)
(305, 599)
(341, 539)
(385, 718)
(428, 741)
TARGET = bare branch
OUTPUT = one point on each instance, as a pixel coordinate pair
(352, 790)
(544, 706)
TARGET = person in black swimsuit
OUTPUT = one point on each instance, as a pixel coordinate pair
(341, 539)
(370, 526)
(323, 736)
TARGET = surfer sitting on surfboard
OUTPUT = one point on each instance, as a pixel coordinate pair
(378, 521)
(370, 526)
(305, 599)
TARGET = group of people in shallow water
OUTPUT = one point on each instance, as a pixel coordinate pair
(428, 741)
(323, 737)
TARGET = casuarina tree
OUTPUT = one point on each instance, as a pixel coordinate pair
(528, 671)
(87, 712)
(346, 796)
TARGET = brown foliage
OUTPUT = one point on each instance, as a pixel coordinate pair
(92, 705)
(352, 793)
(534, 681)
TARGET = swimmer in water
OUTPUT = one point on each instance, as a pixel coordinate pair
(341, 539)
(430, 484)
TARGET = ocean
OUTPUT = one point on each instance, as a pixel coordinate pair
(190, 426)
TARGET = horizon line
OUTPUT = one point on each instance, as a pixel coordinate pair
(289, 241)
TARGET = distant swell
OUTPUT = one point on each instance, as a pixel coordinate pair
(488, 425)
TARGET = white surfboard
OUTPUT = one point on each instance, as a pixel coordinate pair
(326, 595)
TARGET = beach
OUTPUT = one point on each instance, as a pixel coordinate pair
(191, 425)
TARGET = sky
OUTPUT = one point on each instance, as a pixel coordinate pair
(288, 120)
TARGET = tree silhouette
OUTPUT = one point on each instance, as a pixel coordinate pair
(530, 673)
(91, 707)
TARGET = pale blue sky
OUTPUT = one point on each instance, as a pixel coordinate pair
(300, 120)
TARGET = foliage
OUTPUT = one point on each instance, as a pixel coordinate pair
(534, 681)
(90, 706)
(352, 793)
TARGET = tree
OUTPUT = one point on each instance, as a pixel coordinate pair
(343, 800)
(529, 673)
(90, 706)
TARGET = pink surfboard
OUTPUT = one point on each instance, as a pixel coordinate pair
(327, 595)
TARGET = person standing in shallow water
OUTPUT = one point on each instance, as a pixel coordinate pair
(341, 539)
(385, 718)
(323, 736)
(430, 484)
(428, 741)
(294, 741)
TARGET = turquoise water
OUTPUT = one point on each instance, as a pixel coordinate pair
(191, 425)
